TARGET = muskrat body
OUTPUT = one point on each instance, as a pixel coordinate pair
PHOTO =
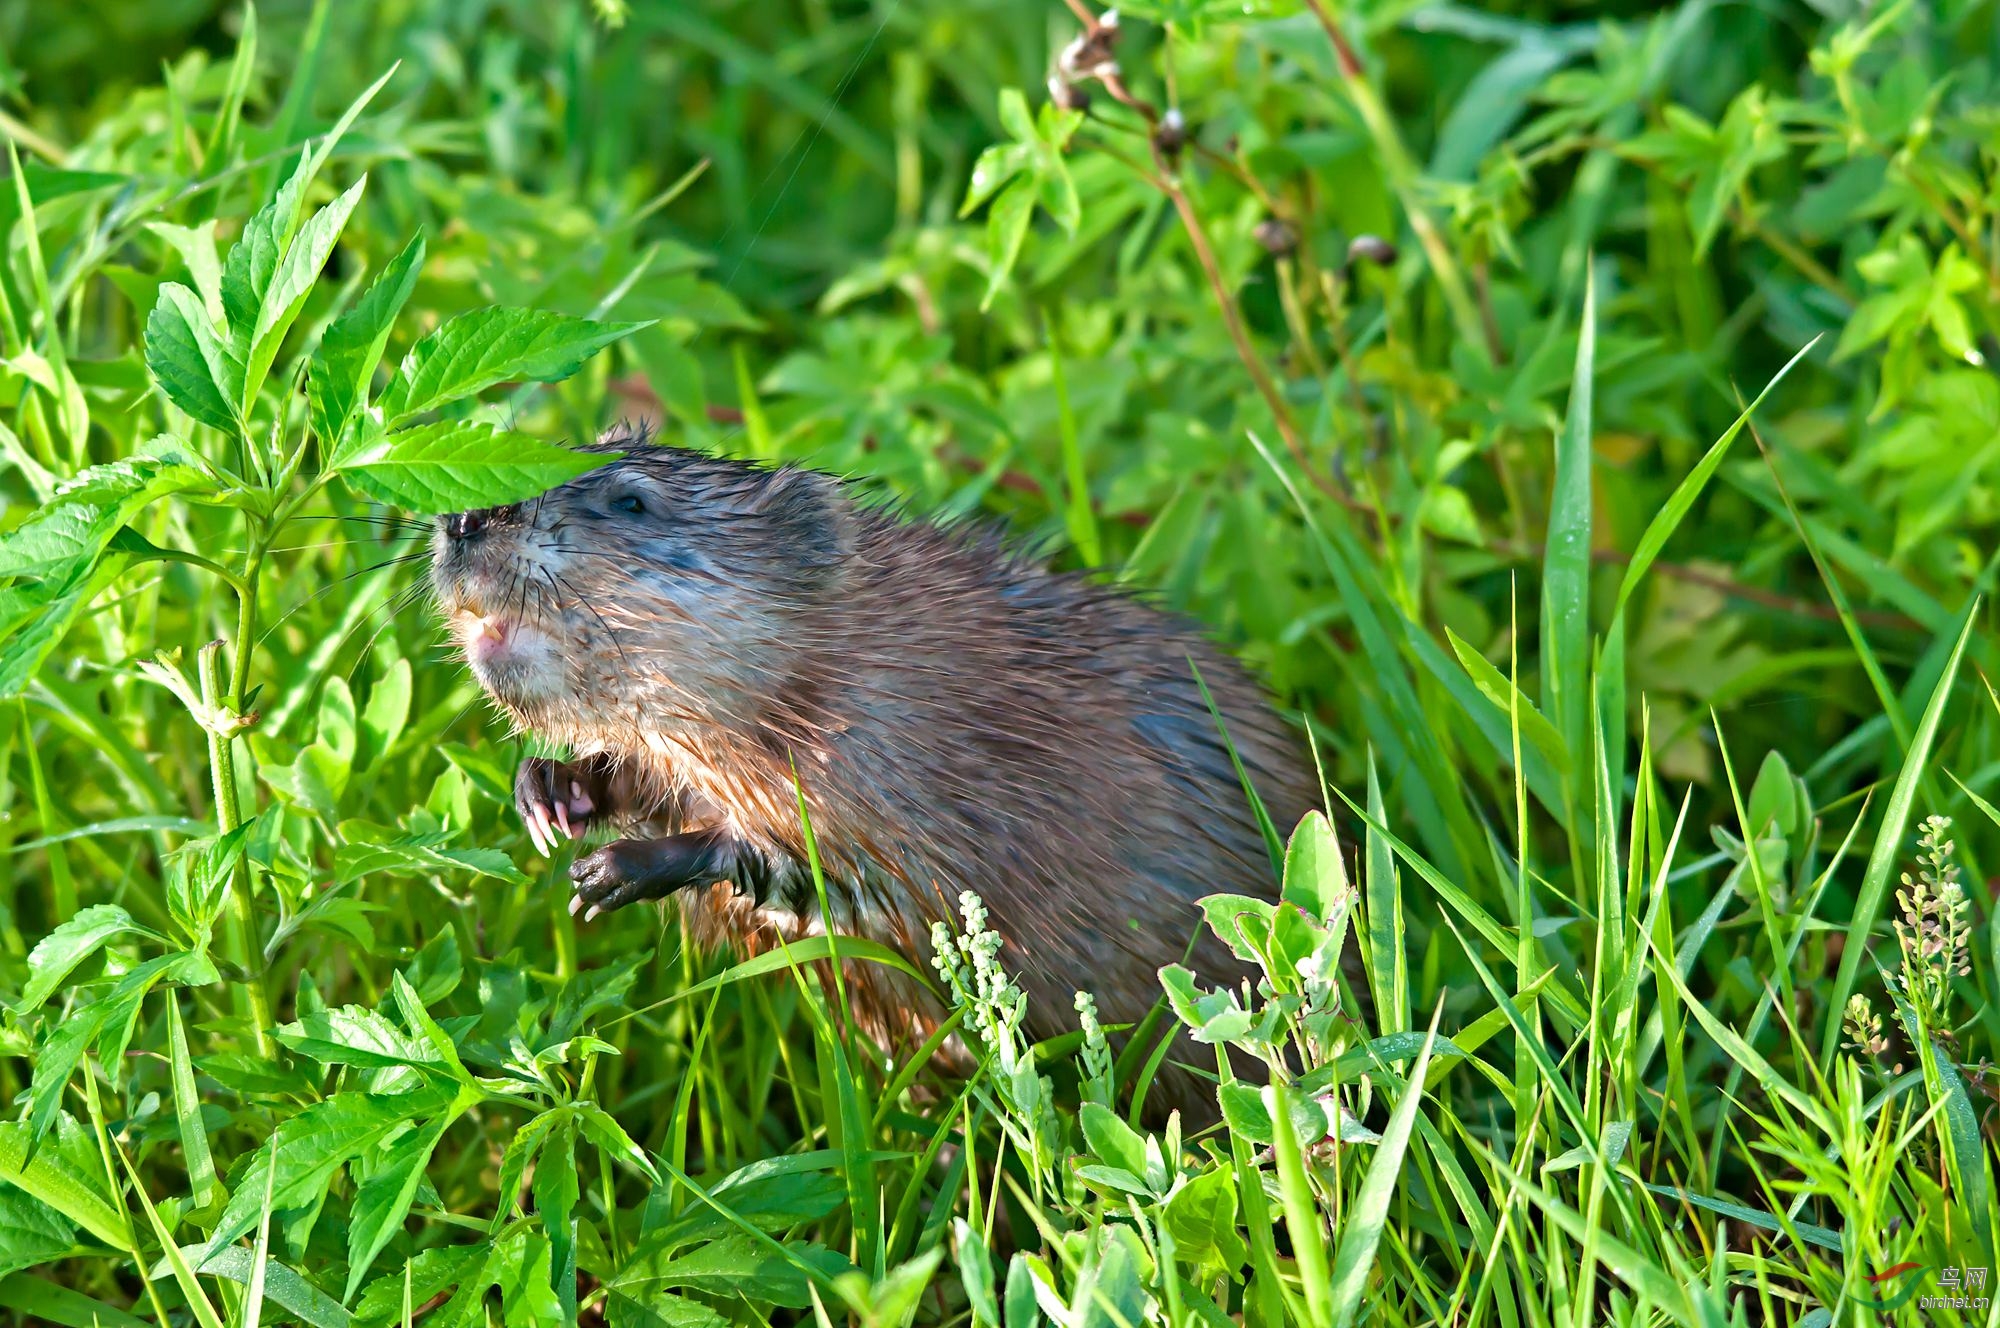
(702, 633)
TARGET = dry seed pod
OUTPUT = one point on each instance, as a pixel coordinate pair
(1371, 249)
(1278, 236)
(1066, 94)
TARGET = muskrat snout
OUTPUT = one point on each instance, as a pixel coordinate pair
(465, 525)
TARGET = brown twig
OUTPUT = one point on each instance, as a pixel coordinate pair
(1101, 67)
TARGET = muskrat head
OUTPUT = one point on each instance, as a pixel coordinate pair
(665, 586)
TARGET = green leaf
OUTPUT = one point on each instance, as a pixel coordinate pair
(811, 950)
(353, 861)
(187, 1111)
(476, 350)
(975, 1273)
(521, 1150)
(1201, 1215)
(313, 1145)
(384, 1199)
(1020, 1302)
(556, 1190)
(58, 540)
(350, 348)
(196, 246)
(31, 1232)
(520, 1268)
(740, 1266)
(426, 1275)
(1361, 1232)
(44, 1301)
(284, 1286)
(1665, 521)
(1111, 1139)
(196, 369)
(610, 1138)
(355, 1035)
(56, 1060)
(996, 166)
(69, 945)
(1496, 687)
(281, 299)
(453, 467)
(253, 260)
(1566, 571)
(1006, 231)
(53, 1176)
(1215, 1016)
(1315, 874)
(35, 616)
(1823, 1237)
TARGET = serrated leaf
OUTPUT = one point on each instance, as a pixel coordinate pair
(454, 467)
(337, 384)
(476, 350)
(355, 1035)
(521, 1150)
(253, 260)
(36, 615)
(285, 294)
(556, 1191)
(425, 1275)
(312, 1146)
(196, 369)
(769, 1200)
(662, 1309)
(740, 1266)
(138, 479)
(610, 1137)
(57, 953)
(384, 1199)
(351, 862)
(31, 1232)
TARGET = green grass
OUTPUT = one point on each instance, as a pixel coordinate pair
(1588, 426)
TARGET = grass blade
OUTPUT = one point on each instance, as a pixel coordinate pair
(1566, 572)
(1362, 1231)
(1889, 841)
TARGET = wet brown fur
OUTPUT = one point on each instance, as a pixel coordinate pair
(959, 718)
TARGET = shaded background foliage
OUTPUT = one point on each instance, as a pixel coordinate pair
(781, 187)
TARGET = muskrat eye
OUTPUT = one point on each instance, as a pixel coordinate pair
(629, 502)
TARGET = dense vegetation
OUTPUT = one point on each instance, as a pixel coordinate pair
(1412, 346)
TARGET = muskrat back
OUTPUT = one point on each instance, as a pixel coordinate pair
(702, 633)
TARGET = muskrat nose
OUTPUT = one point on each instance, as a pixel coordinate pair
(464, 525)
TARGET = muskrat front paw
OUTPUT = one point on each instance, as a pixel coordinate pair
(633, 869)
(554, 796)
(611, 877)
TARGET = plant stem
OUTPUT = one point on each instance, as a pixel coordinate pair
(240, 924)
(1232, 320)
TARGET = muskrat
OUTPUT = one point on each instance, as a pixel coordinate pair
(700, 633)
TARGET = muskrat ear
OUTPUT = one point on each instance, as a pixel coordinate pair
(808, 511)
